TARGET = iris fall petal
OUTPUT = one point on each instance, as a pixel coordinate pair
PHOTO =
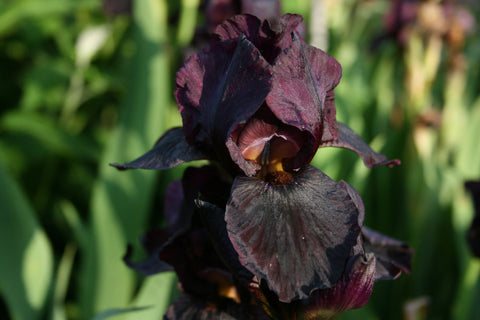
(296, 237)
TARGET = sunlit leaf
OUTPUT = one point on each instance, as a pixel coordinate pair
(27, 258)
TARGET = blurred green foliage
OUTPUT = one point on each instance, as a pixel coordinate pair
(81, 88)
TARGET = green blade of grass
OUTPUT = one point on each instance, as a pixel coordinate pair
(121, 200)
(156, 291)
(27, 259)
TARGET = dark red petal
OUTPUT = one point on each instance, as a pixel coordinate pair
(393, 256)
(207, 184)
(302, 76)
(348, 139)
(218, 89)
(241, 25)
(296, 237)
(270, 42)
(172, 207)
(170, 151)
(352, 291)
(214, 221)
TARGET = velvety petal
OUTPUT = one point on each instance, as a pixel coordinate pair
(393, 256)
(207, 184)
(187, 307)
(241, 25)
(284, 33)
(302, 76)
(352, 291)
(173, 207)
(213, 219)
(348, 139)
(171, 150)
(216, 90)
(270, 42)
(296, 237)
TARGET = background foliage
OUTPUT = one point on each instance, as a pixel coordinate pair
(82, 88)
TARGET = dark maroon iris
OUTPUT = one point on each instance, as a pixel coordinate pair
(259, 102)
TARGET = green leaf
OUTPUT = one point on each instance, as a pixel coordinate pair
(157, 291)
(19, 10)
(26, 268)
(48, 134)
(115, 312)
(121, 200)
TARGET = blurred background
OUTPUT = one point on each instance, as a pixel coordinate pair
(85, 83)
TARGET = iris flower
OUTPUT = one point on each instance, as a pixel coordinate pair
(258, 102)
(215, 284)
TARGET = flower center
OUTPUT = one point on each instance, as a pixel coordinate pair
(269, 144)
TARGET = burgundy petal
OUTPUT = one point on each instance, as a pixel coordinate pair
(348, 139)
(213, 219)
(302, 76)
(352, 291)
(393, 256)
(207, 184)
(241, 25)
(297, 237)
(170, 151)
(219, 88)
(270, 42)
(172, 207)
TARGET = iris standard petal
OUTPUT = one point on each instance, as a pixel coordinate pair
(302, 76)
(216, 90)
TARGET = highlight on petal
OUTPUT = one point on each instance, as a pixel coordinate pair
(352, 291)
(170, 150)
(296, 237)
(302, 77)
(392, 256)
(218, 89)
(348, 139)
